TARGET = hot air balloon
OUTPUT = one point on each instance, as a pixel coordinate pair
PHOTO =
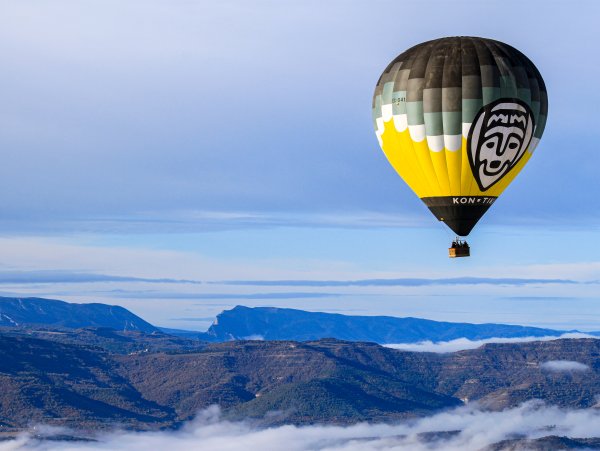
(458, 118)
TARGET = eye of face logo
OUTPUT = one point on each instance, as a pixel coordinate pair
(498, 138)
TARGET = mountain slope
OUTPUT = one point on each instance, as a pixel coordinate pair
(304, 382)
(343, 382)
(27, 312)
(111, 340)
(275, 382)
(54, 383)
(271, 323)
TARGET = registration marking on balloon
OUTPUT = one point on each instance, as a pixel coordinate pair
(498, 139)
(473, 200)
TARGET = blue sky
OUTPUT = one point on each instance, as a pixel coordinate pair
(232, 140)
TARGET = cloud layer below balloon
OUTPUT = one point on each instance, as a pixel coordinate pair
(465, 428)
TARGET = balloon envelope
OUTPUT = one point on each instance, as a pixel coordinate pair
(458, 118)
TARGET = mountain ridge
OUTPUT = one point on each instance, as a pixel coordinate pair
(275, 323)
(33, 311)
(262, 323)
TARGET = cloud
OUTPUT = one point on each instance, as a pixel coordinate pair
(537, 298)
(149, 260)
(405, 282)
(231, 296)
(194, 221)
(60, 276)
(566, 366)
(461, 344)
(465, 428)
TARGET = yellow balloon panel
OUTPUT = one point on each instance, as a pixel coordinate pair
(442, 173)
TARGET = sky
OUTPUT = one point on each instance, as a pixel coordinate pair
(154, 152)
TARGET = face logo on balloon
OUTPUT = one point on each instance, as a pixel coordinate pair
(498, 139)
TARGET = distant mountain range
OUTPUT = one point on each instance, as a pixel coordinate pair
(259, 323)
(272, 323)
(27, 312)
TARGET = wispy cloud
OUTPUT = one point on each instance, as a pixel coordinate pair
(67, 276)
(465, 428)
(564, 366)
(405, 282)
(536, 298)
(461, 344)
(291, 295)
(226, 296)
(59, 276)
(210, 221)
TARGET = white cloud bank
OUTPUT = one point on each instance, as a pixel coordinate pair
(566, 366)
(461, 344)
(477, 430)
